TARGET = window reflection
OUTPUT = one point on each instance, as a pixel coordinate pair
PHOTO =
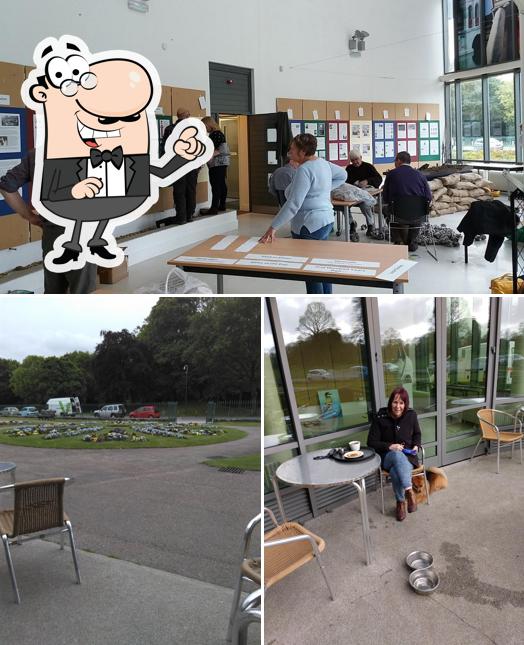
(326, 351)
(502, 127)
(472, 119)
(510, 369)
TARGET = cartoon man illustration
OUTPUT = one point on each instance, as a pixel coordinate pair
(96, 161)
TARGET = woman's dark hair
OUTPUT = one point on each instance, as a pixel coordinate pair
(307, 143)
(403, 395)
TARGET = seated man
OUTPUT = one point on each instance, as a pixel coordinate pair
(280, 180)
(364, 175)
(404, 180)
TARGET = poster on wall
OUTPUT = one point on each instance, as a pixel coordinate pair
(384, 141)
(429, 140)
(329, 401)
(361, 139)
(407, 138)
(337, 149)
(13, 146)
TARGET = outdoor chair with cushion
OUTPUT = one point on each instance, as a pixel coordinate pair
(250, 573)
(287, 547)
(417, 473)
(489, 429)
(412, 211)
(38, 511)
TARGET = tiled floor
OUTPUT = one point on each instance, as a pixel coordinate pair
(449, 275)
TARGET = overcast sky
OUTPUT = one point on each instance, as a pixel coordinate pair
(55, 325)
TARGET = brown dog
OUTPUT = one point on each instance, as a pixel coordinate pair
(437, 480)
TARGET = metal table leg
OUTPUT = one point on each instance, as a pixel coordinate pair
(220, 283)
(361, 489)
(380, 214)
(274, 481)
(398, 287)
(347, 223)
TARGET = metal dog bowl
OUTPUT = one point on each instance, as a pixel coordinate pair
(424, 581)
(419, 560)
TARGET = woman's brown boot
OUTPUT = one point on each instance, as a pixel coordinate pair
(401, 511)
(412, 502)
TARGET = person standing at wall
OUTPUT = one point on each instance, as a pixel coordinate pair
(217, 168)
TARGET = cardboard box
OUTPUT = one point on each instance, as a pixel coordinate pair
(114, 274)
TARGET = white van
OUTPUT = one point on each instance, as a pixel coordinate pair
(66, 406)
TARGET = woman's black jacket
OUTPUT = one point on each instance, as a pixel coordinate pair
(386, 430)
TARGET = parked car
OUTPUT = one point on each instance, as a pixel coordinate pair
(318, 375)
(47, 414)
(111, 411)
(145, 412)
(494, 144)
(65, 406)
(10, 411)
(29, 411)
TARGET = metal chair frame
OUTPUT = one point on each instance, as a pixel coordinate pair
(516, 420)
(393, 219)
(384, 474)
(249, 612)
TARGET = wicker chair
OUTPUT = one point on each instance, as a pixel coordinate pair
(250, 573)
(490, 431)
(416, 473)
(38, 511)
(287, 547)
(249, 612)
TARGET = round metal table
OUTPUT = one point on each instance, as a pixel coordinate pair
(304, 471)
(8, 467)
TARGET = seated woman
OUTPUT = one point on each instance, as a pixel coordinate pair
(394, 429)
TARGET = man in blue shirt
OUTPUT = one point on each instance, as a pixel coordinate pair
(400, 182)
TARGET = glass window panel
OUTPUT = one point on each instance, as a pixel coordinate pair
(472, 119)
(361, 436)
(462, 430)
(510, 369)
(500, 31)
(502, 131)
(453, 118)
(326, 350)
(407, 336)
(469, 39)
(271, 463)
(466, 355)
(428, 426)
(449, 37)
(277, 421)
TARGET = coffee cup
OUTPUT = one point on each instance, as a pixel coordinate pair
(354, 445)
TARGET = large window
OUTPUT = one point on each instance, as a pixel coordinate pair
(510, 369)
(472, 120)
(502, 125)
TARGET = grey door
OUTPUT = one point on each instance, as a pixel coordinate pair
(231, 89)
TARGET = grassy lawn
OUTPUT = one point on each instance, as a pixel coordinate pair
(234, 424)
(247, 462)
(134, 430)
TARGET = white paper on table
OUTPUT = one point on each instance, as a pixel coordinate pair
(385, 114)
(333, 151)
(295, 128)
(337, 115)
(402, 146)
(379, 149)
(315, 115)
(424, 130)
(333, 131)
(247, 245)
(343, 151)
(424, 147)
(396, 269)
(326, 268)
(412, 147)
(433, 129)
(271, 135)
(321, 143)
(269, 264)
(344, 263)
(189, 259)
(224, 243)
(276, 258)
(272, 158)
(389, 150)
(433, 147)
(379, 130)
(412, 130)
(361, 111)
(406, 111)
(289, 113)
(343, 131)
(389, 131)
(202, 102)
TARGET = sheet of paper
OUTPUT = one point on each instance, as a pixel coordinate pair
(396, 269)
(202, 102)
(379, 149)
(321, 154)
(269, 264)
(272, 158)
(296, 128)
(189, 259)
(224, 243)
(412, 147)
(310, 128)
(366, 152)
(389, 131)
(5, 99)
(344, 263)
(433, 129)
(366, 129)
(343, 151)
(385, 114)
(276, 258)
(333, 131)
(389, 150)
(321, 143)
(401, 130)
(355, 130)
(361, 111)
(428, 116)
(424, 147)
(326, 268)
(379, 130)
(5, 165)
(402, 145)
(333, 151)
(315, 115)
(247, 245)
(289, 113)
(424, 130)
(406, 111)
(434, 147)
(412, 130)
(343, 131)
(271, 135)
(10, 133)
(337, 115)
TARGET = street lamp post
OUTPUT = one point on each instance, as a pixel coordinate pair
(186, 370)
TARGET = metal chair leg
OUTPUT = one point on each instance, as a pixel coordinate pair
(471, 458)
(7, 550)
(320, 564)
(381, 490)
(73, 549)
(234, 608)
(498, 457)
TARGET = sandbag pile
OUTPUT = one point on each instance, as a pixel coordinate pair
(456, 192)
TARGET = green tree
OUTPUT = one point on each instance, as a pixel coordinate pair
(83, 361)
(7, 367)
(315, 320)
(39, 378)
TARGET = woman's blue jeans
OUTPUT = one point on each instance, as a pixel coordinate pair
(399, 468)
(321, 234)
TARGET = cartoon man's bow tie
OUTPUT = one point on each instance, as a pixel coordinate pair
(116, 157)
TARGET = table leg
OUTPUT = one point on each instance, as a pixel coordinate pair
(398, 287)
(361, 489)
(220, 283)
(347, 223)
(13, 478)
(274, 481)
(380, 214)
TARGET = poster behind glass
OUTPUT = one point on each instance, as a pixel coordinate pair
(487, 32)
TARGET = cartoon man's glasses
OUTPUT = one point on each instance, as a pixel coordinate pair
(70, 74)
(69, 87)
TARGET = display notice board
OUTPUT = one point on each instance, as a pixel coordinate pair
(13, 146)
(297, 127)
(383, 142)
(429, 140)
(338, 142)
(318, 130)
(407, 138)
(361, 138)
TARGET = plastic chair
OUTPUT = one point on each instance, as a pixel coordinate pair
(490, 431)
(38, 511)
(250, 573)
(418, 472)
(287, 547)
(412, 210)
